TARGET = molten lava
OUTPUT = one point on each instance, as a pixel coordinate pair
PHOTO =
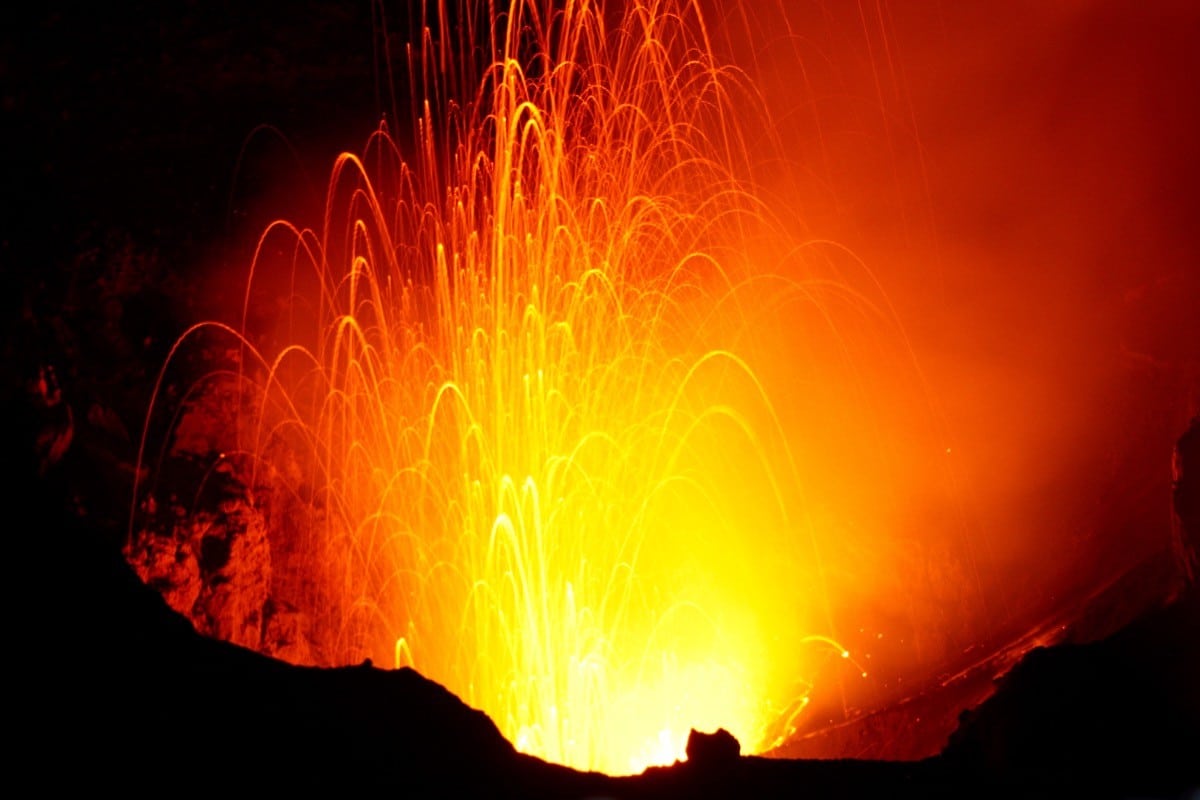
(570, 413)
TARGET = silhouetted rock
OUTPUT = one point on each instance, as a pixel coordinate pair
(132, 698)
(1119, 716)
(711, 751)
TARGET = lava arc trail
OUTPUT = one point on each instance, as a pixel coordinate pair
(563, 407)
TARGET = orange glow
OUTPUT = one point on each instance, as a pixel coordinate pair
(565, 403)
(519, 382)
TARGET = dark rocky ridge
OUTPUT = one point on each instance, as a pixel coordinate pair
(127, 696)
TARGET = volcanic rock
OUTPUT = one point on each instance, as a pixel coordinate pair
(213, 566)
(1120, 714)
(712, 751)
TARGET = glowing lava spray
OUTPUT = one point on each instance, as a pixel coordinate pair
(518, 385)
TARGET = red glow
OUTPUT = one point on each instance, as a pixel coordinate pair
(738, 366)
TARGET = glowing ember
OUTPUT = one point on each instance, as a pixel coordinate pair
(564, 397)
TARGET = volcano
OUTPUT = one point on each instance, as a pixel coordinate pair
(651, 373)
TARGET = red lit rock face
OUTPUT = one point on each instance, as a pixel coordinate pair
(213, 567)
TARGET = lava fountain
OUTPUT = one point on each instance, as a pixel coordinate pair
(564, 407)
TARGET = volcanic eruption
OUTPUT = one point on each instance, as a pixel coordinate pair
(524, 389)
(615, 385)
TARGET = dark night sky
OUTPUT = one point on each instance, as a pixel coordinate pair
(131, 117)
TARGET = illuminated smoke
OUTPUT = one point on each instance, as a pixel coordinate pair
(585, 423)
